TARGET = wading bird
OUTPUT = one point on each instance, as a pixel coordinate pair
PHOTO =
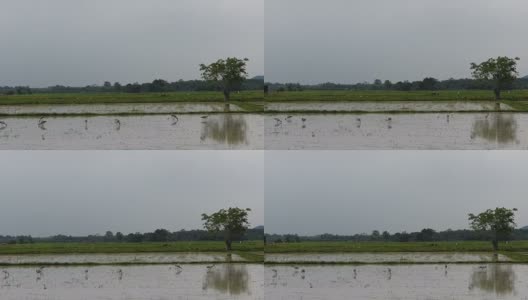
(117, 124)
(174, 120)
(41, 123)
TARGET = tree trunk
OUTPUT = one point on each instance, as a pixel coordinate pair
(228, 244)
(495, 243)
(497, 93)
(226, 95)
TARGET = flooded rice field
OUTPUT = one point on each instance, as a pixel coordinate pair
(175, 281)
(137, 132)
(399, 257)
(424, 281)
(129, 258)
(381, 106)
(397, 131)
(117, 108)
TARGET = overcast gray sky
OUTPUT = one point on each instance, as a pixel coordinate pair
(349, 192)
(314, 41)
(88, 192)
(89, 41)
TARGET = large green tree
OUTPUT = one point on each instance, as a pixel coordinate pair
(501, 71)
(228, 73)
(232, 222)
(500, 222)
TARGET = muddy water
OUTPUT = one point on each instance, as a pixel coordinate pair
(430, 281)
(220, 281)
(400, 257)
(119, 258)
(397, 131)
(118, 108)
(389, 106)
(139, 132)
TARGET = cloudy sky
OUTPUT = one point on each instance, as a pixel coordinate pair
(313, 41)
(348, 192)
(90, 41)
(88, 192)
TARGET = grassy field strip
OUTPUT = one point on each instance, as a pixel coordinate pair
(350, 95)
(109, 98)
(373, 247)
(152, 247)
(123, 264)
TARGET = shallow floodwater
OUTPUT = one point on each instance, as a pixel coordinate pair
(428, 281)
(119, 258)
(138, 132)
(117, 108)
(400, 257)
(397, 131)
(389, 106)
(220, 281)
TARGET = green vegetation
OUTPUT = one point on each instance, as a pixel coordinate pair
(231, 223)
(517, 251)
(110, 98)
(72, 248)
(227, 73)
(499, 221)
(353, 95)
(501, 72)
(378, 247)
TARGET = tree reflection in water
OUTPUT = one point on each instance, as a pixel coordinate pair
(228, 278)
(494, 278)
(496, 127)
(226, 128)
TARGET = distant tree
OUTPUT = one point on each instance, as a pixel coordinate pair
(403, 86)
(133, 88)
(109, 236)
(426, 235)
(227, 73)
(134, 237)
(403, 237)
(232, 222)
(386, 235)
(158, 85)
(117, 87)
(375, 235)
(500, 71)
(428, 83)
(119, 236)
(387, 84)
(160, 235)
(107, 85)
(377, 81)
(500, 222)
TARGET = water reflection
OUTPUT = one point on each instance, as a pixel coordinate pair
(494, 278)
(501, 128)
(229, 279)
(227, 129)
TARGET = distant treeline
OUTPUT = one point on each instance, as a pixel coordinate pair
(425, 235)
(427, 84)
(159, 235)
(156, 86)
